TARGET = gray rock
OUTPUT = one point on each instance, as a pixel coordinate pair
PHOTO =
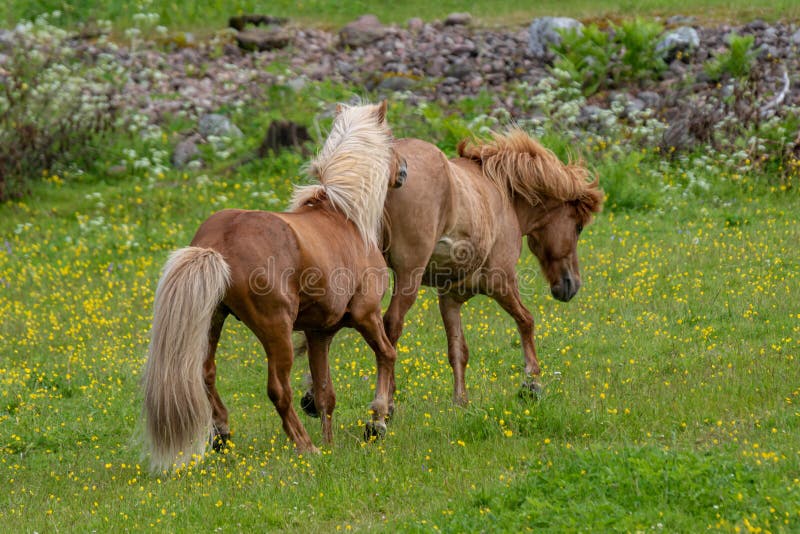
(7, 40)
(769, 35)
(590, 114)
(344, 67)
(297, 84)
(260, 40)
(678, 69)
(683, 39)
(185, 151)
(416, 24)
(542, 34)
(363, 31)
(651, 99)
(214, 124)
(757, 25)
(631, 104)
(680, 20)
(396, 83)
(458, 19)
(796, 38)
(460, 70)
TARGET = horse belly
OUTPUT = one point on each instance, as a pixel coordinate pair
(453, 261)
(321, 309)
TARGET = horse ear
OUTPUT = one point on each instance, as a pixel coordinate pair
(381, 111)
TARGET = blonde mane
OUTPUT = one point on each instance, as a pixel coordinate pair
(519, 165)
(353, 168)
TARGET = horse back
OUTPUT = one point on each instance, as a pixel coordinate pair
(308, 263)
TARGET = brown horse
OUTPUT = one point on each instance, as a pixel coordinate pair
(457, 225)
(316, 268)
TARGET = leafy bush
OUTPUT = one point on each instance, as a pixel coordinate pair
(585, 57)
(640, 61)
(52, 105)
(736, 62)
(600, 60)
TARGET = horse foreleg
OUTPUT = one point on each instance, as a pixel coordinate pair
(371, 328)
(457, 350)
(324, 398)
(219, 413)
(509, 299)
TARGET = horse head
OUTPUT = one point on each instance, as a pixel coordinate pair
(554, 242)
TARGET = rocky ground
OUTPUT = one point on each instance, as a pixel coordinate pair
(443, 61)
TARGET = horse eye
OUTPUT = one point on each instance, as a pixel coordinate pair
(579, 228)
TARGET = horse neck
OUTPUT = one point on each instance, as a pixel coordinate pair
(529, 215)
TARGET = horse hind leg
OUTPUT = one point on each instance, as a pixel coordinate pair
(219, 413)
(276, 337)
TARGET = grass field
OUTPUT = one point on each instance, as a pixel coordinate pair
(209, 16)
(672, 384)
(672, 379)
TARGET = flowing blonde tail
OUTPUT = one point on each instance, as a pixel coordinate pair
(177, 411)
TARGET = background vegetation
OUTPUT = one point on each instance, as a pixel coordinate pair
(672, 380)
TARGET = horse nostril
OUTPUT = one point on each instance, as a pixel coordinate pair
(566, 288)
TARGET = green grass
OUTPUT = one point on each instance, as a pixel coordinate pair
(207, 16)
(672, 380)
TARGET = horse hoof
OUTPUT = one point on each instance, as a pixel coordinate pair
(531, 389)
(374, 430)
(219, 442)
(308, 405)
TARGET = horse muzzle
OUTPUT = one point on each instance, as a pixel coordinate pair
(565, 289)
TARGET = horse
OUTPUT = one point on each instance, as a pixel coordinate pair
(316, 268)
(457, 226)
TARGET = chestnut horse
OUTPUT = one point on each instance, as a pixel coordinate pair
(457, 226)
(316, 268)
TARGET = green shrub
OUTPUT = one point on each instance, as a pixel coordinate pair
(601, 60)
(53, 106)
(736, 62)
(585, 57)
(640, 61)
